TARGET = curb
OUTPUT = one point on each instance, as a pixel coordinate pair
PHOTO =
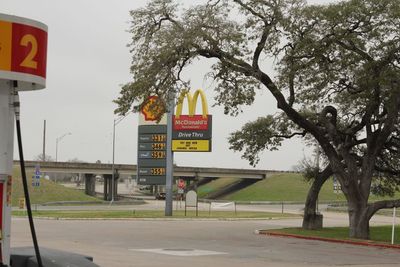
(332, 240)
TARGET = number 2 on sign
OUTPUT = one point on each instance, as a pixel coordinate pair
(29, 61)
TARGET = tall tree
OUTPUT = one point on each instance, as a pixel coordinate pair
(337, 80)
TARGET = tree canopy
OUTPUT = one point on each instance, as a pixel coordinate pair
(336, 79)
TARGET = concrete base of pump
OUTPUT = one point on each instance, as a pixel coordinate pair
(25, 257)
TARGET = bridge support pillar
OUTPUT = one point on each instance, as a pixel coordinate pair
(108, 187)
(90, 184)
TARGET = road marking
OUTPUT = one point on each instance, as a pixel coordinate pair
(180, 252)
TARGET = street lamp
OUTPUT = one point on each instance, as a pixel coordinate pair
(58, 139)
(116, 122)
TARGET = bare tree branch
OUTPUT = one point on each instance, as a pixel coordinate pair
(384, 204)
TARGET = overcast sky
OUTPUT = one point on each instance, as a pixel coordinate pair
(87, 62)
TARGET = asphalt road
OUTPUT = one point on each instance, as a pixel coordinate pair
(195, 243)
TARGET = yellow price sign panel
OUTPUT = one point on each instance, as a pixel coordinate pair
(191, 145)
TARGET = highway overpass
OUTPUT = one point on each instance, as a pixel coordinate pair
(90, 170)
(129, 169)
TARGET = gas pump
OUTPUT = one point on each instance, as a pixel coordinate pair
(23, 56)
(23, 50)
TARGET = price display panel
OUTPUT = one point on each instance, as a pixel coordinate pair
(158, 154)
(152, 171)
(152, 145)
(159, 137)
(152, 155)
(149, 138)
(159, 146)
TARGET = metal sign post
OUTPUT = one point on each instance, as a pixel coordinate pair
(170, 157)
(393, 224)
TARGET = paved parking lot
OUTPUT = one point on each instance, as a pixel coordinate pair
(195, 243)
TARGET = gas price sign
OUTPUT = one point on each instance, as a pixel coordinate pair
(152, 145)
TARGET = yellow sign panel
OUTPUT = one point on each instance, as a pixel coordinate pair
(21, 203)
(5, 45)
(191, 145)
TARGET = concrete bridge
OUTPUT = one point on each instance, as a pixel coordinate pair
(90, 170)
(128, 169)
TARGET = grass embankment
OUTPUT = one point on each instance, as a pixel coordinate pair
(214, 186)
(283, 187)
(118, 214)
(48, 191)
(288, 187)
(382, 234)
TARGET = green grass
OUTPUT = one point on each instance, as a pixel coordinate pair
(48, 191)
(278, 187)
(214, 186)
(117, 214)
(381, 234)
(287, 187)
(282, 187)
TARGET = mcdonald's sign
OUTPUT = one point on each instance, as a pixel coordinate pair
(192, 132)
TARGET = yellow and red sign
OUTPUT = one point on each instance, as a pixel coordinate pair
(23, 50)
(153, 109)
(192, 133)
(191, 121)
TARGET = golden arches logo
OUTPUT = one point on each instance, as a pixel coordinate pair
(192, 103)
(192, 132)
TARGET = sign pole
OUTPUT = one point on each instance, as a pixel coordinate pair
(393, 224)
(113, 167)
(170, 156)
(44, 141)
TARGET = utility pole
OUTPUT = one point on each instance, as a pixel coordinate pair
(113, 186)
(58, 139)
(44, 141)
(113, 163)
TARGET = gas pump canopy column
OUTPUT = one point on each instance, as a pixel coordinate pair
(23, 50)
(23, 57)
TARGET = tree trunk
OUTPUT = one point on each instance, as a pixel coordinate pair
(312, 220)
(358, 220)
